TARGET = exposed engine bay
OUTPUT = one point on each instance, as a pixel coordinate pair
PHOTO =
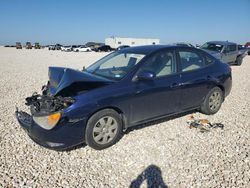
(44, 104)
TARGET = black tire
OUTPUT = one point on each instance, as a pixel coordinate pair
(239, 61)
(93, 122)
(206, 107)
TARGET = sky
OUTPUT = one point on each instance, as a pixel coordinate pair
(80, 21)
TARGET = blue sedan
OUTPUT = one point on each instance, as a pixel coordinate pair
(128, 87)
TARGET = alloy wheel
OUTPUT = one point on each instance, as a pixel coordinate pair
(215, 101)
(105, 130)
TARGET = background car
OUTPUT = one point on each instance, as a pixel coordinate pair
(225, 51)
(82, 49)
(242, 50)
(247, 45)
(28, 45)
(66, 48)
(37, 45)
(183, 44)
(123, 46)
(94, 45)
(96, 105)
(104, 48)
(55, 47)
(18, 45)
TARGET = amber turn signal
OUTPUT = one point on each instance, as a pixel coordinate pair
(54, 118)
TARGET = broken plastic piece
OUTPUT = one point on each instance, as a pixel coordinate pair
(203, 124)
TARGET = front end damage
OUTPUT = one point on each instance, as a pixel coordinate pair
(46, 111)
(53, 121)
(47, 104)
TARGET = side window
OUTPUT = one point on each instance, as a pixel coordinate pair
(121, 60)
(207, 59)
(191, 60)
(227, 49)
(161, 63)
(232, 48)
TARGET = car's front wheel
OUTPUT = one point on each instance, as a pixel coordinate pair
(212, 102)
(103, 129)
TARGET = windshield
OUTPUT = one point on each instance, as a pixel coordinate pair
(212, 46)
(115, 65)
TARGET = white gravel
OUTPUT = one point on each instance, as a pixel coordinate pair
(165, 154)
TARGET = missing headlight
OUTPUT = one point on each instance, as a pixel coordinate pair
(45, 104)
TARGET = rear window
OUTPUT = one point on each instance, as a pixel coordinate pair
(191, 60)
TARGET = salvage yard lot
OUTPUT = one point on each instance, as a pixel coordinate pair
(168, 152)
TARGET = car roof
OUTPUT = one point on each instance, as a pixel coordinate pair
(147, 49)
(222, 42)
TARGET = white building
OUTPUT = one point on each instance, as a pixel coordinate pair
(115, 42)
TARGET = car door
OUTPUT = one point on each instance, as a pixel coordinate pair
(233, 52)
(229, 53)
(195, 77)
(159, 96)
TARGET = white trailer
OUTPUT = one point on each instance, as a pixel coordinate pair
(115, 42)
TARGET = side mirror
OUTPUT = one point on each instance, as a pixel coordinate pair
(146, 75)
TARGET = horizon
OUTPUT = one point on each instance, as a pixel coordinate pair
(64, 22)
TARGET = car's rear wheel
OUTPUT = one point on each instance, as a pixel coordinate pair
(239, 60)
(103, 129)
(212, 102)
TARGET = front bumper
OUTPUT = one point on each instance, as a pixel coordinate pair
(66, 134)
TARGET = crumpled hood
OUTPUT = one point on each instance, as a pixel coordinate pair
(66, 80)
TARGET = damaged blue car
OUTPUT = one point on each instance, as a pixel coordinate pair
(128, 87)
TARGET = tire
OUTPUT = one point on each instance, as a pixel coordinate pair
(212, 102)
(239, 61)
(104, 129)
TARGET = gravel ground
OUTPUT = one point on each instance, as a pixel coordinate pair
(165, 154)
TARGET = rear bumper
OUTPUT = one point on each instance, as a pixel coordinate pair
(63, 136)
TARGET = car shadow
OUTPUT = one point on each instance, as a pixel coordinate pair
(140, 126)
(161, 120)
(79, 146)
(152, 175)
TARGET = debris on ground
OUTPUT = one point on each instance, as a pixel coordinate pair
(203, 124)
